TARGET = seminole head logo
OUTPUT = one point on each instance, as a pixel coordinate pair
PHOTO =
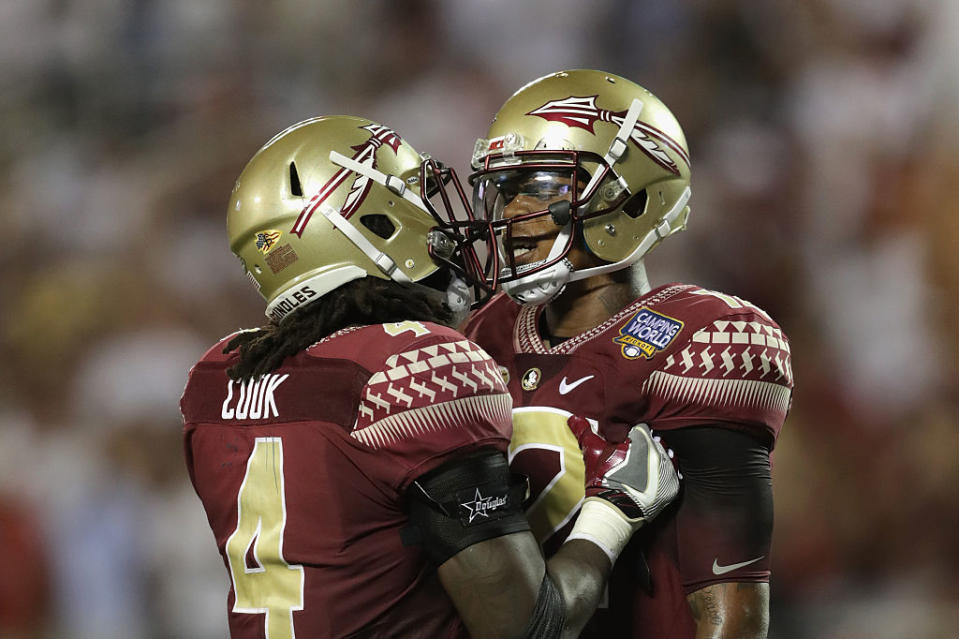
(364, 153)
(582, 113)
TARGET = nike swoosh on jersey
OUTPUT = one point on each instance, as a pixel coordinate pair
(722, 570)
(565, 388)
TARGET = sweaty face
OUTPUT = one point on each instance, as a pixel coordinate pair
(518, 202)
(532, 235)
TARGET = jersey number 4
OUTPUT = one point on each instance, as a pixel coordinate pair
(263, 582)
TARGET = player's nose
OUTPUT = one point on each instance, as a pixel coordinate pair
(520, 205)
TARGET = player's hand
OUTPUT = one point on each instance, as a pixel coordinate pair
(636, 475)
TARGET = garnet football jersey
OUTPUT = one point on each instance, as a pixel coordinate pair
(303, 471)
(678, 357)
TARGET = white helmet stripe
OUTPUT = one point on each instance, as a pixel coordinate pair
(617, 148)
(389, 181)
(381, 259)
(651, 237)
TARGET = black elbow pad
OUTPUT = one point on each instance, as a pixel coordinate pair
(463, 502)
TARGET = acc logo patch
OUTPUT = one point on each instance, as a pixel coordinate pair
(647, 332)
(531, 379)
(266, 240)
(504, 372)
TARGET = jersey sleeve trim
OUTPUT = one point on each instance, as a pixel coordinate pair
(428, 375)
(734, 342)
(433, 418)
(745, 393)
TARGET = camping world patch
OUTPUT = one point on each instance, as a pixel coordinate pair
(647, 332)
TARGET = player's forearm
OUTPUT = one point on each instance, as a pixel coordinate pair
(495, 584)
(731, 610)
(579, 570)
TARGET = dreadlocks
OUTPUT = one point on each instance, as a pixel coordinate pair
(364, 301)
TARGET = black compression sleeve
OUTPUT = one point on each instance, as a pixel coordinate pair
(465, 501)
(710, 449)
(726, 509)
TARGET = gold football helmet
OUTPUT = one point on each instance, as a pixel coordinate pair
(607, 154)
(336, 198)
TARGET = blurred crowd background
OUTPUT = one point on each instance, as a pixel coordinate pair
(824, 139)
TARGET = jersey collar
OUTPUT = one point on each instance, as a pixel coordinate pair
(526, 335)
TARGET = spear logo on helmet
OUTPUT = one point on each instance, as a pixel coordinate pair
(365, 153)
(582, 112)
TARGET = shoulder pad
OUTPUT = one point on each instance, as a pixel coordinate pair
(733, 365)
(431, 385)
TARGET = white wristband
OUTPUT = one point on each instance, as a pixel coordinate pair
(601, 523)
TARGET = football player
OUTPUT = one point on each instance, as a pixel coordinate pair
(350, 454)
(581, 175)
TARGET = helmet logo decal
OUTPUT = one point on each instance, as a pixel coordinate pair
(266, 240)
(582, 112)
(365, 153)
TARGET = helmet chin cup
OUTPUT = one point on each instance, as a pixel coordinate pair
(541, 287)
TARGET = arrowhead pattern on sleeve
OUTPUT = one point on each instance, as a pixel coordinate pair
(728, 363)
(431, 389)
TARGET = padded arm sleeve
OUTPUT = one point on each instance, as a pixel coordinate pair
(465, 501)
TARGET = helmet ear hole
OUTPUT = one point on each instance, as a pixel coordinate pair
(295, 187)
(379, 224)
(636, 205)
